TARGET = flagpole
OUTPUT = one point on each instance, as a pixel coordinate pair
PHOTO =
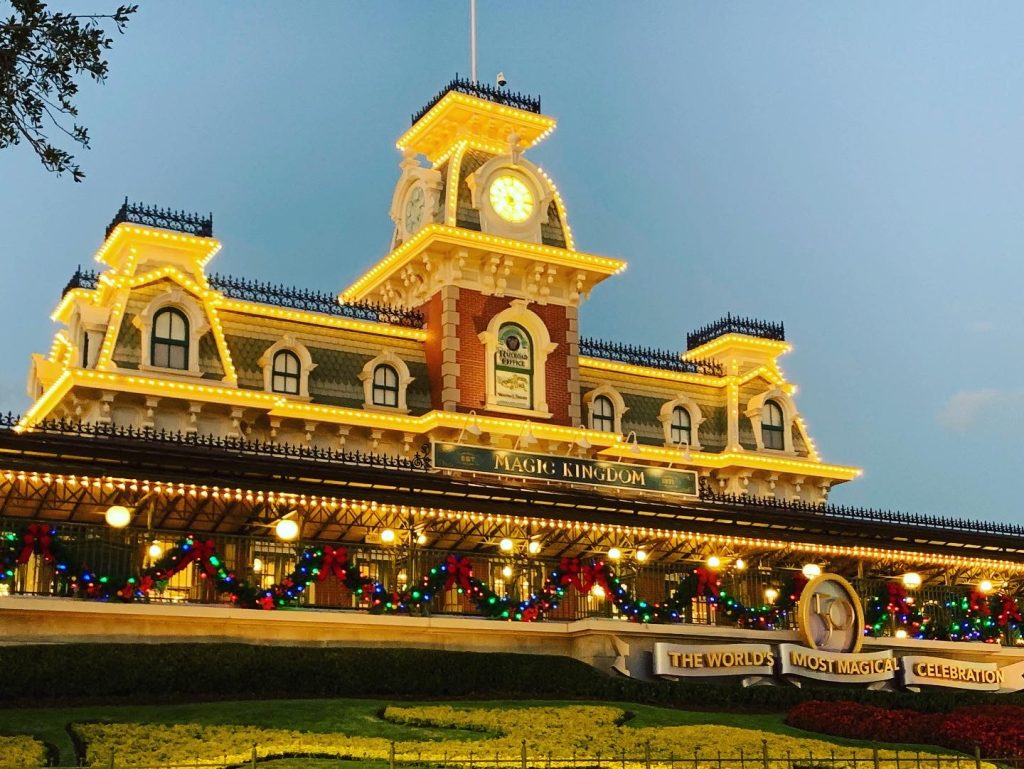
(472, 39)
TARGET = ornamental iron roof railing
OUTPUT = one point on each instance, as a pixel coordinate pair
(736, 325)
(88, 279)
(647, 356)
(482, 91)
(866, 514)
(420, 461)
(313, 301)
(283, 296)
(151, 216)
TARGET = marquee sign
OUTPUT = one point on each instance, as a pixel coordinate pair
(831, 625)
(792, 662)
(548, 467)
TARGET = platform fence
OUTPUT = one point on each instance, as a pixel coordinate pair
(879, 756)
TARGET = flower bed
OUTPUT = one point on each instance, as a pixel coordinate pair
(21, 751)
(569, 735)
(998, 730)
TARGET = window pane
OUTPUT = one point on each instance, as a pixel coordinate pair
(385, 376)
(162, 324)
(177, 326)
(177, 357)
(160, 357)
(771, 414)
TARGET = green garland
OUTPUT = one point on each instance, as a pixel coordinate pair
(979, 617)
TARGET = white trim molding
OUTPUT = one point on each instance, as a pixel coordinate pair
(696, 418)
(306, 365)
(618, 405)
(198, 325)
(387, 358)
(789, 414)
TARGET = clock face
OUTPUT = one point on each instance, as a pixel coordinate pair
(511, 199)
(414, 205)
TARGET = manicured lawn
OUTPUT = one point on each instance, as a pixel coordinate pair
(352, 717)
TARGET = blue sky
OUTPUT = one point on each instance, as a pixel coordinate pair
(855, 170)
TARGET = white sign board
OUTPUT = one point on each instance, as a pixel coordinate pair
(678, 661)
(837, 667)
(958, 674)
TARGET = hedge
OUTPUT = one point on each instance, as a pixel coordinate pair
(154, 672)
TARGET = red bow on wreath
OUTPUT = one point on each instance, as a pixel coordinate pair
(335, 562)
(201, 553)
(594, 575)
(38, 538)
(707, 582)
(265, 601)
(529, 614)
(977, 602)
(1008, 610)
(897, 596)
(572, 574)
(459, 570)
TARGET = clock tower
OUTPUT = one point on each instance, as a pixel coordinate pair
(482, 246)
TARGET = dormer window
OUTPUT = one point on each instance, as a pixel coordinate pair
(287, 372)
(385, 386)
(773, 426)
(602, 414)
(386, 381)
(605, 409)
(679, 429)
(169, 344)
(286, 367)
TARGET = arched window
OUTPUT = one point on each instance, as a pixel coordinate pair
(679, 429)
(513, 367)
(286, 373)
(602, 414)
(169, 344)
(772, 426)
(385, 386)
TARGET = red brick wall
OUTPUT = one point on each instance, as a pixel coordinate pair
(475, 312)
(432, 313)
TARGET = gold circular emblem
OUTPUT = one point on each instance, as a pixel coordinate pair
(830, 615)
(511, 199)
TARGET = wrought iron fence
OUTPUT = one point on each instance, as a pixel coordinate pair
(313, 301)
(420, 461)
(263, 561)
(650, 755)
(867, 514)
(482, 91)
(151, 216)
(284, 296)
(647, 356)
(88, 279)
(736, 325)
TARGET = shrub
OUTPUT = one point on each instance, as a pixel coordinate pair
(153, 672)
(21, 751)
(998, 730)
